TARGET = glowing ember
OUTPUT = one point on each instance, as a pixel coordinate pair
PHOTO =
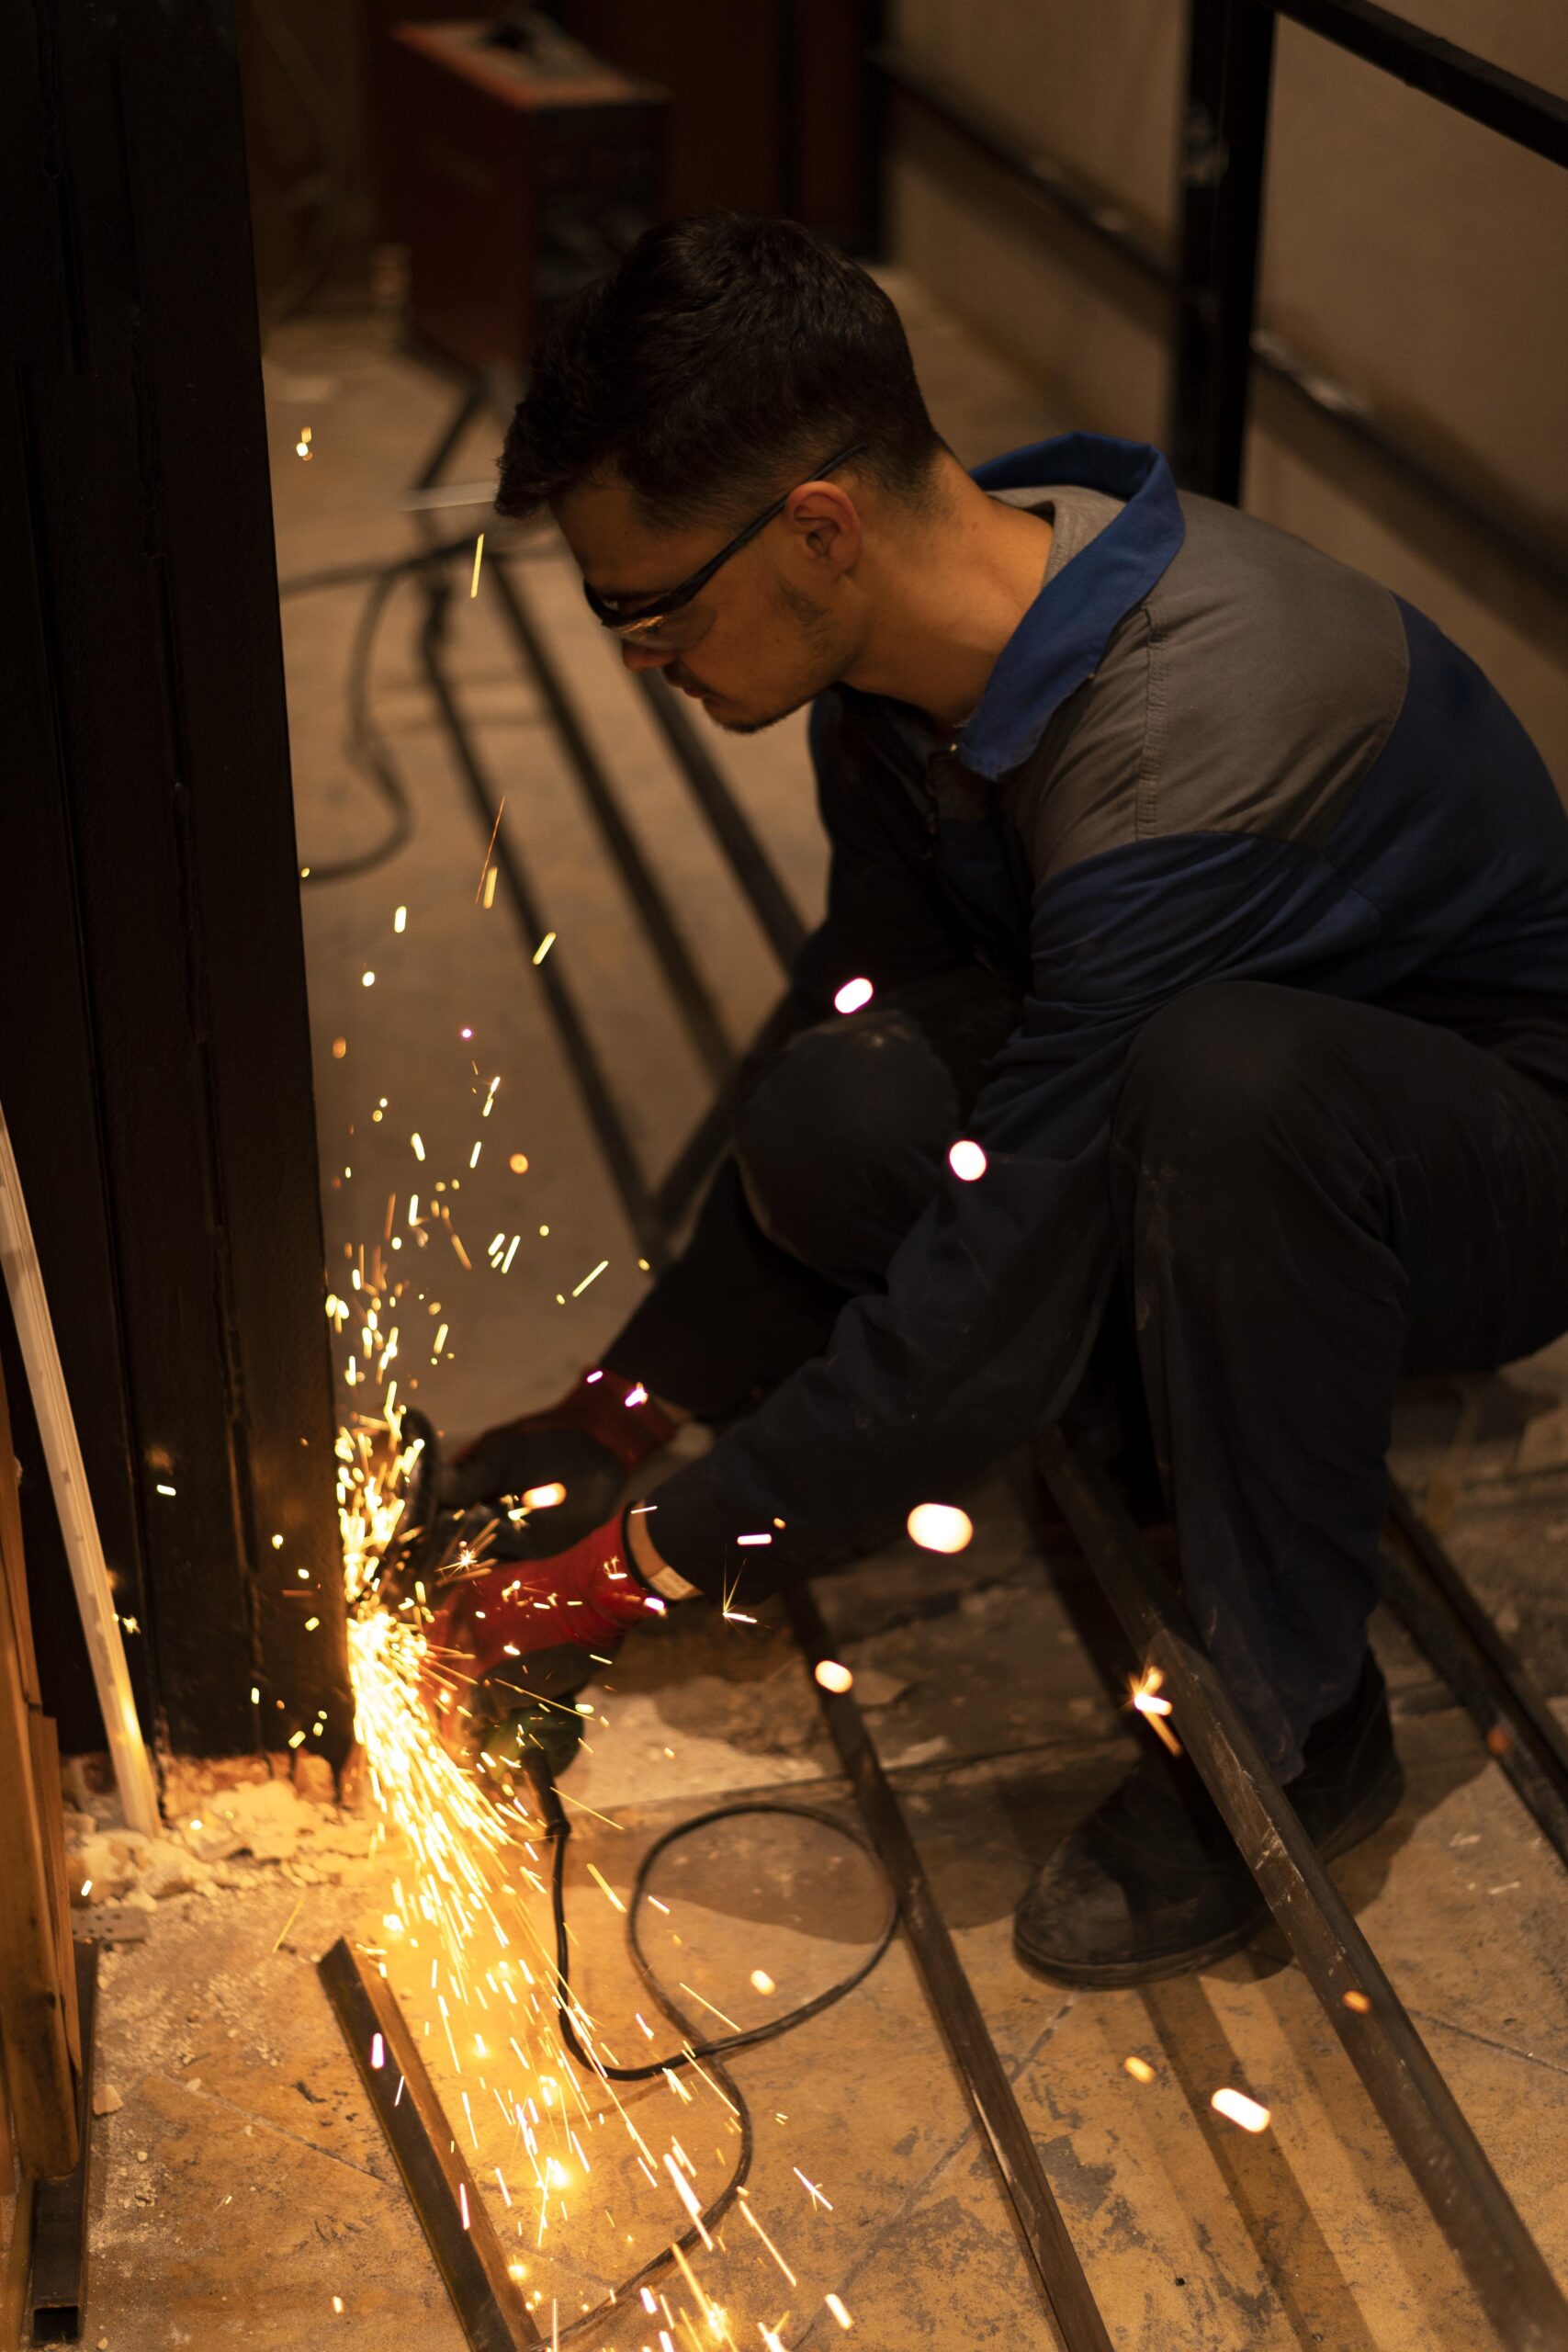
(940, 1527)
(1358, 2002)
(543, 1498)
(840, 2313)
(1239, 2109)
(1145, 1698)
(966, 1160)
(832, 1675)
(763, 1982)
(518, 1163)
(1140, 2069)
(853, 996)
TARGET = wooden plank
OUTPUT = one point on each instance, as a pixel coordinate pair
(35, 2006)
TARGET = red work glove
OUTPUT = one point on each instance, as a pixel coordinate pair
(521, 1634)
(588, 1441)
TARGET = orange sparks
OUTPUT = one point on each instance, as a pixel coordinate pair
(1139, 2068)
(340, 1047)
(1153, 1708)
(600, 1881)
(489, 849)
(762, 1982)
(940, 1527)
(832, 1675)
(1360, 2002)
(853, 996)
(518, 1163)
(840, 2313)
(1239, 2109)
(478, 559)
(543, 1498)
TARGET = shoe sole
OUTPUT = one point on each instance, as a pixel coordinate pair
(1111, 1976)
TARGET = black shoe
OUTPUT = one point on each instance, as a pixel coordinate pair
(1152, 1885)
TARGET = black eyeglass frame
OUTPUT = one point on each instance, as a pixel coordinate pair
(610, 613)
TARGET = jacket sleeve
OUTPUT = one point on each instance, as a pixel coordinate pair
(994, 1298)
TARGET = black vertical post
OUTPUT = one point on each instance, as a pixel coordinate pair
(1223, 145)
(154, 1059)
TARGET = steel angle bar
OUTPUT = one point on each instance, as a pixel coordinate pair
(1446, 2162)
(1427, 1592)
(584, 1062)
(58, 2293)
(1058, 2272)
(686, 986)
(1458, 78)
(458, 2228)
(731, 828)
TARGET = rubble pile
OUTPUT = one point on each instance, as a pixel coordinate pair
(226, 1827)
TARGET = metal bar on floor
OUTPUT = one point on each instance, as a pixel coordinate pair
(1053, 2257)
(1446, 2162)
(1429, 1595)
(687, 989)
(597, 1100)
(58, 2293)
(451, 2209)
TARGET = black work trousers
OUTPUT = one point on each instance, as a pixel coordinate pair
(1312, 1196)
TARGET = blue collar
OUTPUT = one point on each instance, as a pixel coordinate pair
(1059, 641)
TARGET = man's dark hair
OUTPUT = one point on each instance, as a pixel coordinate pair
(719, 354)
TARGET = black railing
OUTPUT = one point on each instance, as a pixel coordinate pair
(1211, 280)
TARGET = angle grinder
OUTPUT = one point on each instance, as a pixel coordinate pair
(463, 1517)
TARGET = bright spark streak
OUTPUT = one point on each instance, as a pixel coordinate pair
(1240, 2110)
(940, 1527)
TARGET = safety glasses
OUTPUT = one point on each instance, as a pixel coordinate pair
(642, 622)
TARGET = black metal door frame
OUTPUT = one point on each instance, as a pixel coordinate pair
(154, 1056)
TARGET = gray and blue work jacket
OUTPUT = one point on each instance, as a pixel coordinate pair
(1208, 752)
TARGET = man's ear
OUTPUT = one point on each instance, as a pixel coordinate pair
(829, 525)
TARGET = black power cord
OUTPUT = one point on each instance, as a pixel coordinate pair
(692, 2052)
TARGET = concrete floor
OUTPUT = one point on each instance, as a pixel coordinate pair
(242, 2184)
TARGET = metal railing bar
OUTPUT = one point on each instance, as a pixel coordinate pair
(731, 828)
(686, 986)
(1457, 78)
(451, 2212)
(620, 1160)
(1052, 2254)
(1446, 2162)
(1428, 1593)
(1335, 403)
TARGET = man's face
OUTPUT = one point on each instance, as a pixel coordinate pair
(776, 624)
